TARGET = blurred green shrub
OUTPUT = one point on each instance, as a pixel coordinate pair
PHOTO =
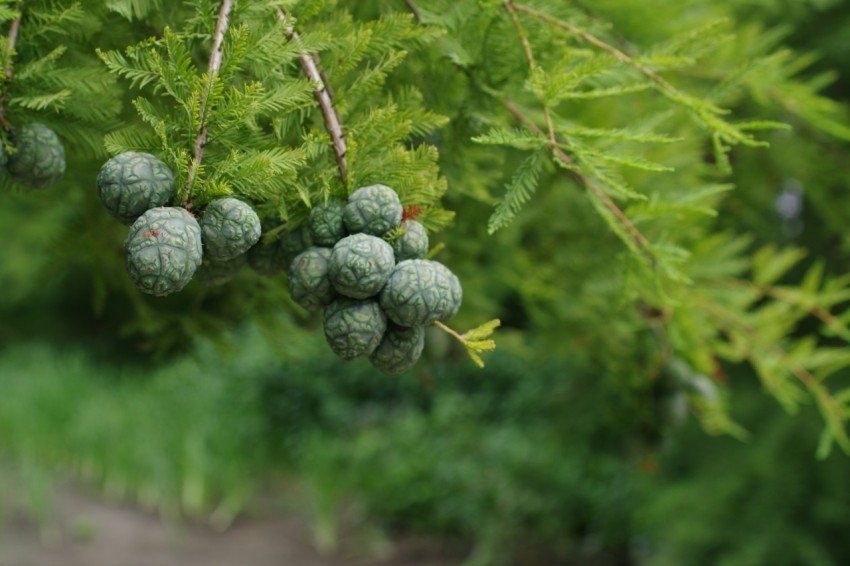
(183, 438)
(494, 460)
(529, 464)
(720, 502)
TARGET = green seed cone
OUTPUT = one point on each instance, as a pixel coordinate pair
(39, 159)
(308, 279)
(420, 292)
(230, 228)
(373, 210)
(325, 223)
(360, 265)
(413, 244)
(163, 250)
(354, 328)
(131, 183)
(399, 350)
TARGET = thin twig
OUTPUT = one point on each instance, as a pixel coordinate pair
(532, 64)
(827, 318)
(593, 40)
(7, 72)
(325, 79)
(829, 405)
(639, 238)
(596, 16)
(450, 332)
(796, 368)
(212, 71)
(526, 45)
(324, 98)
(414, 9)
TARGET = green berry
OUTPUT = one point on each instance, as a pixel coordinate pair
(39, 159)
(325, 223)
(230, 228)
(354, 328)
(413, 244)
(213, 272)
(163, 250)
(420, 292)
(399, 350)
(373, 210)
(361, 265)
(308, 279)
(131, 183)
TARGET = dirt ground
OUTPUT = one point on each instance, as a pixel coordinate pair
(90, 532)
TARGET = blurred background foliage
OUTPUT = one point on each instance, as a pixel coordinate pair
(560, 451)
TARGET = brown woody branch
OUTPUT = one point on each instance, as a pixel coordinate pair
(414, 9)
(324, 98)
(212, 71)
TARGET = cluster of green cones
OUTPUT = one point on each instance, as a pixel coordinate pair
(167, 245)
(360, 260)
(377, 296)
(35, 157)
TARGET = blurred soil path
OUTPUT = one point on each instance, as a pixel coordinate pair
(120, 535)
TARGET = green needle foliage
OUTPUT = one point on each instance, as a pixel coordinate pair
(267, 143)
(648, 122)
(53, 77)
(243, 158)
(612, 167)
(656, 270)
(384, 128)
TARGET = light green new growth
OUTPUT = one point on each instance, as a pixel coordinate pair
(476, 340)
